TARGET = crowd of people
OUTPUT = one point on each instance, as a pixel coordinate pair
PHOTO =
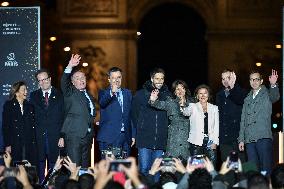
(177, 134)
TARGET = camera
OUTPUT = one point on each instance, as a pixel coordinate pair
(23, 162)
(233, 160)
(114, 151)
(114, 165)
(196, 160)
(167, 165)
(83, 171)
(167, 161)
(62, 152)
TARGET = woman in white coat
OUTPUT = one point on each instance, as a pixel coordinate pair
(204, 124)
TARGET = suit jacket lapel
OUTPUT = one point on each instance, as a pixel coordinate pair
(40, 99)
(52, 98)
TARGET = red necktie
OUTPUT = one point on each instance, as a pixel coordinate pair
(46, 98)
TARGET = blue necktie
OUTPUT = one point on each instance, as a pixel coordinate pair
(119, 100)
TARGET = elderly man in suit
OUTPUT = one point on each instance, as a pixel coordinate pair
(79, 114)
(48, 108)
(115, 126)
(255, 129)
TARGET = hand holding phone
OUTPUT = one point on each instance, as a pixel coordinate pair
(233, 160)
(114, 165)
(196, 160)
(62, 152)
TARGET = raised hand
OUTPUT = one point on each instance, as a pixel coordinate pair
(22, 176)
(179, 166)
(273, 78)
(74, 61)
(232, 80)
(208, 164)
(154, 95)
(7, 159)
(58, 163)
(155, 166)
(113, 86)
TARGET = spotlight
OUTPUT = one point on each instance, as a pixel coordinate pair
(85, 64)
(138, 33)
(52, 38)
(67, 49)
(278, 46)
(258, 64)
(5, 4)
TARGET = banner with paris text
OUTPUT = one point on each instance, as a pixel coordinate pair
(20, 50)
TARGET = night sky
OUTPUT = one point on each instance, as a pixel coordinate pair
(173, 38)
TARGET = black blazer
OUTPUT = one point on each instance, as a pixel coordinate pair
(77, 117)
(49, 120)
(19, 130)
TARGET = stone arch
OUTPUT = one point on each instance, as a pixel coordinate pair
(205, 8)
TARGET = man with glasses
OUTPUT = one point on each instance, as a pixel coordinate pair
(255, 128)
(48, 106)
(79, 112)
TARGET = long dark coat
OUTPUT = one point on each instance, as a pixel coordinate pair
(19, 130)
(49, 120)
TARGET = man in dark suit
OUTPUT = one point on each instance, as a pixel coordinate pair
(48, 107)
(115, 126)
(230, 101)
(79, 114)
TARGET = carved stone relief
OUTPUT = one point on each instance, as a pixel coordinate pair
(92, 11)
(251, 8)
(92, 7)
(96, 71)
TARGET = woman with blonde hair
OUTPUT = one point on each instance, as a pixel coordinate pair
(204, 124)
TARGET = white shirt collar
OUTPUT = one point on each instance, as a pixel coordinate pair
(49, 92)
(254, 94)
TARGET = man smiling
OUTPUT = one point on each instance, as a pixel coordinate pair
(255, 127)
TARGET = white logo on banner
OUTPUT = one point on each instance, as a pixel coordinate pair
(11, 60)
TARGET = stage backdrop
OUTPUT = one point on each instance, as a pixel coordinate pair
(19, 50)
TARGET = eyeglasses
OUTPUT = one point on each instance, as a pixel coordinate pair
(42, 80)
(254, 79)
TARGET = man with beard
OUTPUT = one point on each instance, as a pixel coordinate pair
(151, 124)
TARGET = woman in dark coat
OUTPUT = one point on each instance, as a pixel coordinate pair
(18, 125)
(177, 145)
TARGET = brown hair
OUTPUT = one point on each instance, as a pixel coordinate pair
(254, 72)
(183, 83)
(15, 88)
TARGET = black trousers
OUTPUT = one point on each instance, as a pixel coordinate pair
(198, 150)
(79, 149)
